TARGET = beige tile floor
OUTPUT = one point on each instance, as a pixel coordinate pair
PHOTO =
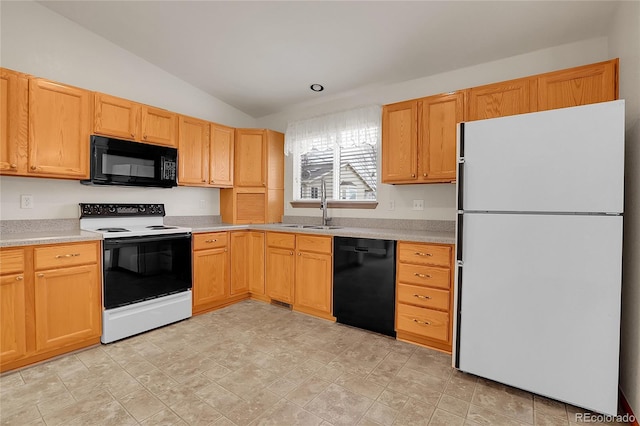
(257, 364)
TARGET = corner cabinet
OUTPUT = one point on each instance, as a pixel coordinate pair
(424, 294)
(258, 192)
(51, 301)
(419, 139)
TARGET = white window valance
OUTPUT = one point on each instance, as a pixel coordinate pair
(354, 127)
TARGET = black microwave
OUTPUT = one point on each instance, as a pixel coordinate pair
(120, 162)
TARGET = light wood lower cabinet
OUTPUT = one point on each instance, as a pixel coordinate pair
(210, 271)
(247, 263)
(300, 272)
(12, 305)
(50, 301)
(424, 294)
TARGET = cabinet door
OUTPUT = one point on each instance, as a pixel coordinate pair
(59, 128)
(501, 99)
(193, 148)
(67, 306)
(250, 152)
(14, 95)
(313, 281)
(578, 86)
(210, 277)
(256, 262)
(240, 262)
(399, 142)
(116, 117)
(221, 156)
(280, 274)
(439, 117)
(12, 317)
(159, 126)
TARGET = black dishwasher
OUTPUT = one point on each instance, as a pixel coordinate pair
(364, 272)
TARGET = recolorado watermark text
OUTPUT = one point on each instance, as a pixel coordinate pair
(602, 418)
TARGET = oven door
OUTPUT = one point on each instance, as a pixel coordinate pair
(144, 268)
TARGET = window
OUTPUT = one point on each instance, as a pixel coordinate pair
(340, 149)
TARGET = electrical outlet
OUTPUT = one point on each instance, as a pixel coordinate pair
(26, 201)
(418, 204)
(392, 205)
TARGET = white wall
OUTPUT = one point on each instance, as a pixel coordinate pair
(439, 199)
(37, 41)
(624, 42)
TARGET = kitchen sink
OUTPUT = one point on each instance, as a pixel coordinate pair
(310, 226)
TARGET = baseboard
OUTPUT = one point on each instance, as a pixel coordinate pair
(627, 409)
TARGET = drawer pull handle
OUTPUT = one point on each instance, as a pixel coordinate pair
(19, 278)
(418, 253)
(421, 322)
(419, 275)
(60, 256)
(210, 241)
(419, 296)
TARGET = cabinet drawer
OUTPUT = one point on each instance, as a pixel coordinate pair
(424, 254)
(209, 240)
(423, 296)
(424, 275)
(424, 322)
(65, 255)
(278, 239)
(11, 261)
(311, 243)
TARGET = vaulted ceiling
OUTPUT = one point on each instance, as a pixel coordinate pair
(262, 56)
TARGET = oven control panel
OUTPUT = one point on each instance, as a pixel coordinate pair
(120, 210)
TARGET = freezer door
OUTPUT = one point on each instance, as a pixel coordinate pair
(539, 305)
(564, 160)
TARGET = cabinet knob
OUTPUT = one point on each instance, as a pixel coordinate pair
(225, 249)
(14, 166)
(413, 175)
(40, 275)
(204, 180)
(33, 167)
(144, 136)
(19, 278)
(299, 254)
(424, 175)
(291, 253)
(133, 135)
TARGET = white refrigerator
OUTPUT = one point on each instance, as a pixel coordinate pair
(539, 252)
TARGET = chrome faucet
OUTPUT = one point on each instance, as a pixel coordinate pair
(323, 202)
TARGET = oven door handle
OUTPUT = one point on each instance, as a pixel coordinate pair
(143, 239)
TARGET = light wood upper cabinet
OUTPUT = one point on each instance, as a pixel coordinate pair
(501, 99)
(578, 86)
(400, 142)
(116, 117)
(250, 156)
(68, 306)
(221, 157)
(193, 161)
(14, 97)
(59, 129)
(419, 139)
(159, 126)
(439, 116)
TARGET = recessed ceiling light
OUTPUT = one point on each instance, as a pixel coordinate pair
(317, 87)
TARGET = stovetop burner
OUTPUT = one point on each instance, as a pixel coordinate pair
(113, 229)
(161, 227)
